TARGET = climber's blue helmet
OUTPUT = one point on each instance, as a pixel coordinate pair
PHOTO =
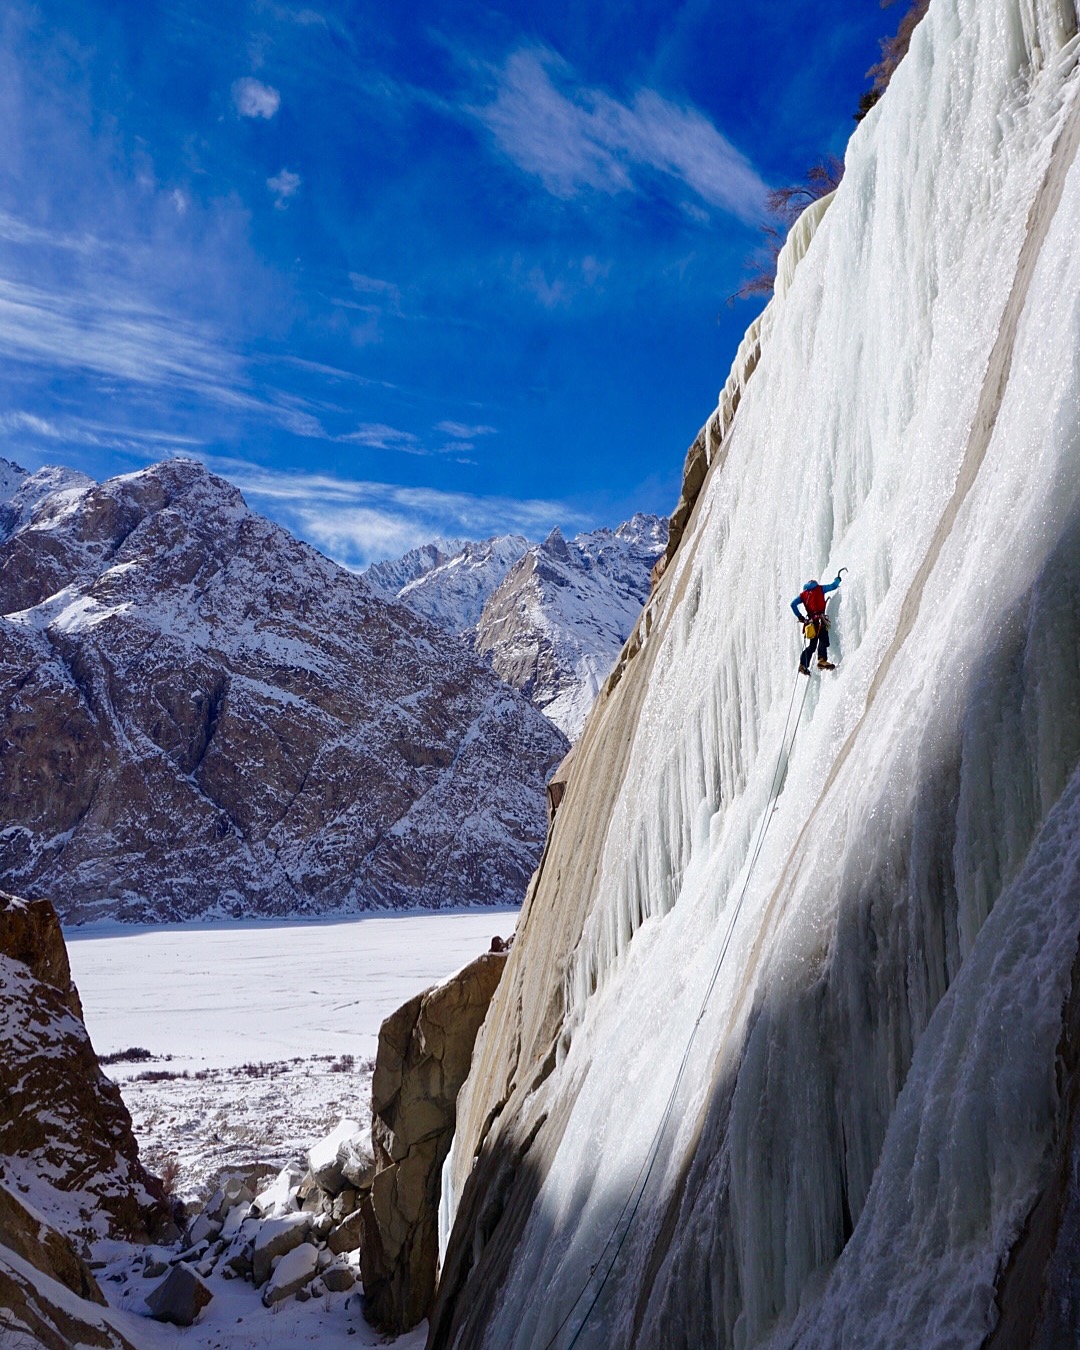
(809, 585)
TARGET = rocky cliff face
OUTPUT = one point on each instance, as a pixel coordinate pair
(556, 624)
(424, 1054)
(166, 655)
(842, 1112)
(66, 1144)
(69, 1163)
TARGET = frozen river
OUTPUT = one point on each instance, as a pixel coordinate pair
(214, 995)
(261, 1034)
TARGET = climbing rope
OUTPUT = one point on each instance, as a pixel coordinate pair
(641, 1182)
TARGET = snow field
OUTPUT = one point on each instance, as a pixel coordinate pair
(266, 1014)
(290, 1001)
(218, 995)
(921, 776)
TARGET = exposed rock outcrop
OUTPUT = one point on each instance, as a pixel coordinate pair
(424, 1053)
(166, 654)
(30, 1236)
(65, 1134)
(39, 1311)
(556, 624)
(68, 1160)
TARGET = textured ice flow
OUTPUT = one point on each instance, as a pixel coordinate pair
(915, 417)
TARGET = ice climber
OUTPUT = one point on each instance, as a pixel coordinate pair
(815, 623)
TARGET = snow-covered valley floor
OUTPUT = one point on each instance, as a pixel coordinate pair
(262, 1035)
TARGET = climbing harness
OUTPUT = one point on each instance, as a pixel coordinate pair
(641, 1182)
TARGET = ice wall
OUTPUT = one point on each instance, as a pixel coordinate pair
(875, 1099)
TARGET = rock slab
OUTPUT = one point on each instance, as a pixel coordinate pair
(179, 1298)
(425, 1049)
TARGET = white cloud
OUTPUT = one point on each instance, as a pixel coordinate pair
(30, 422)
(15, 231)
(284, 185)
(105, 330)
(28, 430)
(572, 137)
(462, 432)
(374, 286)
(357, 522)
(379, 436)
(255, 99)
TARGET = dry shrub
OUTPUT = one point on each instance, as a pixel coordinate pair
(170, 1175)
(893, 51)
(785, 205)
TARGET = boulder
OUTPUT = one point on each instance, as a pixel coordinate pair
(345, 1201)
(357, 1162)
(240, 1261)
(179, 1298)
(346, 1237)
(236, 1191)
(204, 1228)
(280, 1196)
(276, 1237)
(425, 1049)
(324, 1158)
(339, 1279)
(291, 1273)
(235, 1220)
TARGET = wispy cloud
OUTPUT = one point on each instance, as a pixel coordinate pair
(284, 185)
(357, 522)
(105, 331)
(255, 99)
(573, 137)
(461, 432)
(88, 431)
(111, 334)
(375, 286)
(16, 231)
(379, 436)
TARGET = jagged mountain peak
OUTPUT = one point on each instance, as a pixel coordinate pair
(556, 624)
(550, 616)
(454, 587)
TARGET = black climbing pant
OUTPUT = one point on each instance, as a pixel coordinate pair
(820, 643)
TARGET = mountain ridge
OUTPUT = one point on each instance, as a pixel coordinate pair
(550, 617)
(167, 652)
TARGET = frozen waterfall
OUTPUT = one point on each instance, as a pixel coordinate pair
(874, 1094)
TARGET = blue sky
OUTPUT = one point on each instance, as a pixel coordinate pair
(397, 270)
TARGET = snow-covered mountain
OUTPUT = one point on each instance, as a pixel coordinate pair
(556, 624)
(550, 617)
(785, 1053)
(389, 578)
(454, 592)
(200, 714)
